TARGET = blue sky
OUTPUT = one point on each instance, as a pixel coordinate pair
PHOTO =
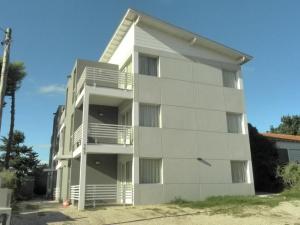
(49, 35)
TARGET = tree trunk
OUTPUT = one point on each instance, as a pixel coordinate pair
(11, 129)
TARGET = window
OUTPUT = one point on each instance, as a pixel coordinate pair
(128, 172)
(283, 156)
(234, 122)
(149, 115)
(148, 65)
(150, 171)
(239, 171)
(230, 79)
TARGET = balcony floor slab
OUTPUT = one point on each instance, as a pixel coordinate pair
(109, 149)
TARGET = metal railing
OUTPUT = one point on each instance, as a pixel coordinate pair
(74, 193)
(77, 137)
(109, 134)
(125, 193)
(95, 193)
(99, 77)
(101, 193)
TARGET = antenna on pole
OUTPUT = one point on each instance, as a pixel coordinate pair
(4, 70)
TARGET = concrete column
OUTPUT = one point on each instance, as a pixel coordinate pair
(58, 183)
(135, 124)
(83, 155)
(135, 114)
(135, 178)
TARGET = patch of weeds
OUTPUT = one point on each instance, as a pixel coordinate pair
(172, 207)
(236, 205)
(291, 194)
(41, 214)
(157, 210)
(276, 215)
(31, 207)
(230, 201)
(16, 208)
(96, 208)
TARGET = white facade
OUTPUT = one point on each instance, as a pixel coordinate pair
(188, 153)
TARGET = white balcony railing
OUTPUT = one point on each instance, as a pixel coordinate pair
(125, 193)
(77, 137)
(102, 193)
(74, 193)
(99, 77)
(104, 134)
(109, 134)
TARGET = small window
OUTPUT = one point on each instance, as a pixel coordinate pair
(239, 171)
(148, 65)
(283, 156)
(149, 115)
(150, 171)
(234, 122)
(230, 79)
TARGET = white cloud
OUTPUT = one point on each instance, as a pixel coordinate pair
(52, 89)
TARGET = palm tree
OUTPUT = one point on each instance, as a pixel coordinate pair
(16, 73)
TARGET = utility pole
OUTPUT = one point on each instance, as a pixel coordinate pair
(6, 44)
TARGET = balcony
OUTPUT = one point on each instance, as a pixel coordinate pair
(112, 134)
(98, 77)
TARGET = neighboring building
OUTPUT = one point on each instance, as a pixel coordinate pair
(288, 146)
(56, 142)
(160, 116)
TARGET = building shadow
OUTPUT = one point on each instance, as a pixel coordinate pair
(41, 218)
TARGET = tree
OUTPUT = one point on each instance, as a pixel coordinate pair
(22, 158)
(289, 125)
(16, 73)
(264, 162)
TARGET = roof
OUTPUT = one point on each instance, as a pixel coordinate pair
(285, 137)
(133, 16)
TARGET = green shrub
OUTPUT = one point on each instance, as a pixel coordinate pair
(8, 179)
(290, 175)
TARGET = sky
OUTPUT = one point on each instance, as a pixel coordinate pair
(49, 35)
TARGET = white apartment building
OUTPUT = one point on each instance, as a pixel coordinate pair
(160, 116)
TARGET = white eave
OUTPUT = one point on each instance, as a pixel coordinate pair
(122, 29)
(132, 16)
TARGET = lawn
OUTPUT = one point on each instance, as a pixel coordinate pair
(237, 204)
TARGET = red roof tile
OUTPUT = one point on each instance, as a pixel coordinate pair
(285, 137)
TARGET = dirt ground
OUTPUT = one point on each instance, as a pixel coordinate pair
(45, 212)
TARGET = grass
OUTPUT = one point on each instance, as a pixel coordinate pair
(237, 204)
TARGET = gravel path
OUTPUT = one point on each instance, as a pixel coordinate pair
(48, 213)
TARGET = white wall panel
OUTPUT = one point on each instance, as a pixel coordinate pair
(125, 49)
(188, 192)
(206, 74)
(151, 38)
(209, 97)
(150, 142)
(212, 146)
(234, 100)
(215, 171)
(179, 117)
(209, 120)
(179, 143)
(181, 171)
